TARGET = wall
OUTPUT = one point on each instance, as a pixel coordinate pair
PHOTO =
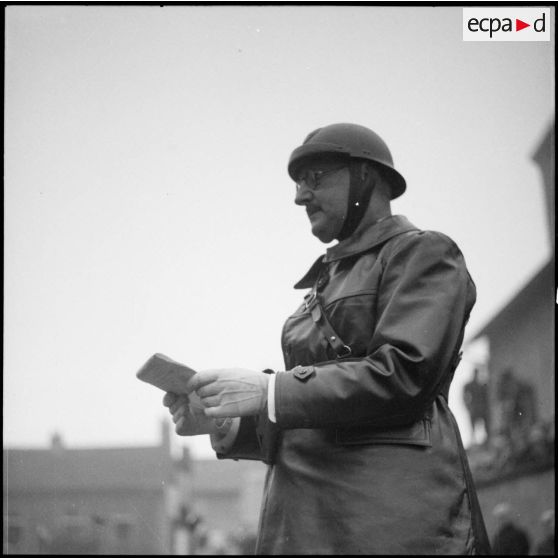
(522, 338)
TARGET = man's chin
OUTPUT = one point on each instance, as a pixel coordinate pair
(324, 236)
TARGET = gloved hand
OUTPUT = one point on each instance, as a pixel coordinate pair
(188, 415)
(230, 392)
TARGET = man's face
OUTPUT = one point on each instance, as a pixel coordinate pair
(323, 188)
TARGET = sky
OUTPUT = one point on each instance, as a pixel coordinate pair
(147, 207)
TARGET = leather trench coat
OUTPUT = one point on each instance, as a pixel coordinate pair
(366, 456)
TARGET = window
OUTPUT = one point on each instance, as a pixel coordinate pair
(123, 530)
(15, 533)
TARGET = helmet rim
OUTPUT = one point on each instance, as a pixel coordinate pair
(359, 143)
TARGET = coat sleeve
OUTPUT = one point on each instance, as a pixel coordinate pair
(424, 299)
(255, 440)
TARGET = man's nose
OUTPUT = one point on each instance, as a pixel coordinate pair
(303, 195)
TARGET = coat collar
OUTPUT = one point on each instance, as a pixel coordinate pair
(369, 238)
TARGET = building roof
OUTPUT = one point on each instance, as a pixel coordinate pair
(35, 470)
(544, 157)
(538, 283)
(544, 153)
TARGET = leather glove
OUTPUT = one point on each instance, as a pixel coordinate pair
(188, 415)
(230, 392)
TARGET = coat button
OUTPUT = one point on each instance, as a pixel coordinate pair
(303, 372)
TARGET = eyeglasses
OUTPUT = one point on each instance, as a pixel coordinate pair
(311, 178)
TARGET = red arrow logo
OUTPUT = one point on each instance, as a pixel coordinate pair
(519, 25)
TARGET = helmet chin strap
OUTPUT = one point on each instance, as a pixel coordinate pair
(360, 191)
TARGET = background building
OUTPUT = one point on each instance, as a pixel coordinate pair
(515, 463)
(128, 500)
(96, 500)
(227, 493)
(227, 496)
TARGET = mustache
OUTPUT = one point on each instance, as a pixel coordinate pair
(311, 209)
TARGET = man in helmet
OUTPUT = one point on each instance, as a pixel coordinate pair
(364, 455)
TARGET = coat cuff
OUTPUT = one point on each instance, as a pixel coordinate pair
(222, 443)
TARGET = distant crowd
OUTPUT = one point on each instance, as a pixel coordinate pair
(510, 440)
(515, 440)
(511, 539)
(523, 452)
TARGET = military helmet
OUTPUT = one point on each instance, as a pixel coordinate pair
(350, 140)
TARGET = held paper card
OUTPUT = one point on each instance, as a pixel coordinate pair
(165, 373)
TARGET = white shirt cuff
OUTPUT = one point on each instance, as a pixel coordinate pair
(271, 398)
